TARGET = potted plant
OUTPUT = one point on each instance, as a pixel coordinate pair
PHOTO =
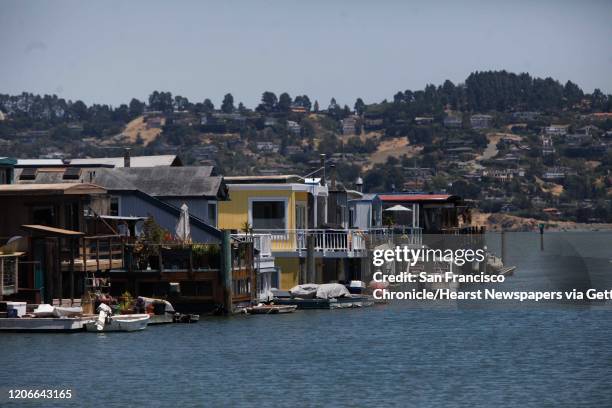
(126, 305)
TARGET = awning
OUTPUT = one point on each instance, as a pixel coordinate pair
(120, 218)
(52, 231)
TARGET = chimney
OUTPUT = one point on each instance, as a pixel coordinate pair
(333, 176)
(323, 167)
(126, 157)
(359, 184)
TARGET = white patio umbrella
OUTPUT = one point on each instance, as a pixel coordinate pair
(182, 230)
(398, 208)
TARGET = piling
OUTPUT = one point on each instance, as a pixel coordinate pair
(503, 246)
(310, 259)
(226, 271)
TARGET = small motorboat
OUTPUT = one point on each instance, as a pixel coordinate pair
(120, 323)
(106, 322)
(271, 309)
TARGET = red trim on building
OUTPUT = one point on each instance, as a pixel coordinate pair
(415, 197)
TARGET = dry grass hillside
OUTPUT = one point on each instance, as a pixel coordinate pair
(138, 125)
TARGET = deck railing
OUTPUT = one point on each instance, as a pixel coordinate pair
(396, 236)
(325, 240)
(261, 242)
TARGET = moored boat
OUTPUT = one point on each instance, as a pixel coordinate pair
(106, 322)
(45, 324)
(271, 309)
(120, 323)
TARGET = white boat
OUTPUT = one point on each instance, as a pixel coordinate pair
(119, 323)
(45, 324)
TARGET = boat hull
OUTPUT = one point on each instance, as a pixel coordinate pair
(337, 303)
(44, 324)
(272, 309)
(121, 323)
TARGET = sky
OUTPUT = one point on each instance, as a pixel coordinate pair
(111, 51)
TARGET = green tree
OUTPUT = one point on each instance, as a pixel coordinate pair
(359, 106)
(228, 103)
(284, 102)
(208, 106)
(268, 102)
(136, 108)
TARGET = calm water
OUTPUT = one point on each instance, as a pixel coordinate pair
(402, 354)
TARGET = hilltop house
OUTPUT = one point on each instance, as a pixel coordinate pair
(294, 127)
(349, 125)
(547, 145)
(480, 121)
(452, 121)
(556, 130)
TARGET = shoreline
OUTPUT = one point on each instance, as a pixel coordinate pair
(512, 223)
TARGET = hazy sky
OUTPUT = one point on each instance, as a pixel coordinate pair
(110, 51)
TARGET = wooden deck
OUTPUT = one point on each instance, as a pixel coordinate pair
(92, 265)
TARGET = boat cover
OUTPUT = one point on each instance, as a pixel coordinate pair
(305, 291)
(148, 301)
(43, 310)
(332, 290)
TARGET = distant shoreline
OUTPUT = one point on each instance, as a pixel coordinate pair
(512, 223)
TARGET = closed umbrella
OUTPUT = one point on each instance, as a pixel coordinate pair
(182, 227)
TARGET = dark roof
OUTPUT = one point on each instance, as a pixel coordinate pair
(164, 181)
(135, 161)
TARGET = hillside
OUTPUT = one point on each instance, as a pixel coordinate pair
(510, 143)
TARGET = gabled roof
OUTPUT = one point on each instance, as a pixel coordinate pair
(191, 181)
(135, 161)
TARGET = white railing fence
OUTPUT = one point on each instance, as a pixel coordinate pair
(328, 240)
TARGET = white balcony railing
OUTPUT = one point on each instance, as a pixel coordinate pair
(328, 240)
(325, 240)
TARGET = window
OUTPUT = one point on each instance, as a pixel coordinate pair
(43, 216)
(72, 173)
(114, 206)
(5, 176)
(269, 214)
(212, 214)
(300, 216)
(28, 174)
